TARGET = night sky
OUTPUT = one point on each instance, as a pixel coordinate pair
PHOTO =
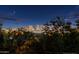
(32, 15)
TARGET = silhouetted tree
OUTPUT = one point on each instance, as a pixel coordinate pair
(59, 20)
(67, 26)
(77, 23)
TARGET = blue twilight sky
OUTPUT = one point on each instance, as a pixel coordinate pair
(35, 14)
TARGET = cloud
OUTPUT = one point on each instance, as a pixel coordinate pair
(73, 15)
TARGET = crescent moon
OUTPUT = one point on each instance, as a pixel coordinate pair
(13, 12)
